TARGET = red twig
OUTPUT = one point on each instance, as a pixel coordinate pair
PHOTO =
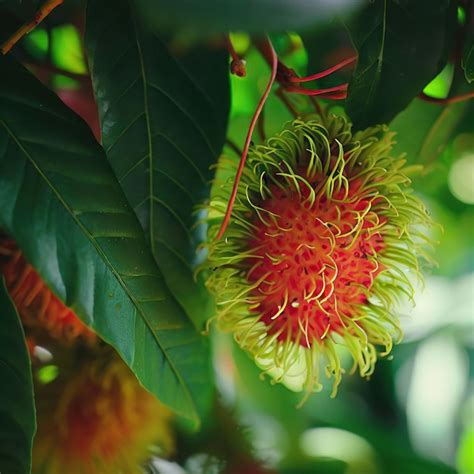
(268, 47)
(331, 92)
(324, 73)
(40, 15)
(289, 80)
(448, 100)
(237, 66)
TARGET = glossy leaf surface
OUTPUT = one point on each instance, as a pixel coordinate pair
(17, 410)
(251, 15)
(163, 121)
(63, 205)
(468, 62)
(401, 45)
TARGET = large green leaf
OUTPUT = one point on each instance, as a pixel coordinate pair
(254, 15)
(424, 129)
(17, 409)
(162, 129)
(402, 45)
(61, 201)
(468, 61)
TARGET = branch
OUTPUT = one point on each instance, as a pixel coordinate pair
(237, 66)
(268, 48)
(40, 15)
(326, 72)
(337, 92)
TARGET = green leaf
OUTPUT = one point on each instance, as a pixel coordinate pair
(402, 45)
(251, 15)
(323, 46)
(468, 62)
(163, 121)
(17, 409)
(61, 202)
(424, 129)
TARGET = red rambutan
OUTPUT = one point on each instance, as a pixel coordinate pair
(37, 306)
(98, 420)
(324, 235)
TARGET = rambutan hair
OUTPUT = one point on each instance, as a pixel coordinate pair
(39, 308)
(99, 419)
(324, 242)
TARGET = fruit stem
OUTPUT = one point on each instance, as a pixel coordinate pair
(337, 92)
(324, 73)
(237, 65)
(269, 50)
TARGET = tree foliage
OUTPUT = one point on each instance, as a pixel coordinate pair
(115, 227)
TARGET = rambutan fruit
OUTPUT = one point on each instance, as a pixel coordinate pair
(38, 307)
(324, 241)
(99, 420)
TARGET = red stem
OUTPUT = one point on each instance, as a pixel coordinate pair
(326, 72)
(41, 14)
(267, 45)
(312, 92)
(237, 66)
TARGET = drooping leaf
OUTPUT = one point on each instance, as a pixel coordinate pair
(402, 45)
(17, 409)
(424, 129)
(163, 123)
(468, 62)
(61, 202)
(251, 15)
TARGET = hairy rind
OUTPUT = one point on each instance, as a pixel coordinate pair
(364, 156)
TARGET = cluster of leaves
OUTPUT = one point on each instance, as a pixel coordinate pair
(112, 227)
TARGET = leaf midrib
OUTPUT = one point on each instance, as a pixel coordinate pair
(106, 260)
(374, 84)
(149, 134)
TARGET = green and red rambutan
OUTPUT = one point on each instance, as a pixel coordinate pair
(325, 241)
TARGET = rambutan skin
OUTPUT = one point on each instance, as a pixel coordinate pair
(98, 421)
(324, 242)
(39, 308)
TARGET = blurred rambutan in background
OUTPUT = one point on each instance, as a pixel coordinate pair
(93, 416)
(38, 307)
(99, 420)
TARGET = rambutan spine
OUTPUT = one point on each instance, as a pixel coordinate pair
(364, 216)
(39, 308)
